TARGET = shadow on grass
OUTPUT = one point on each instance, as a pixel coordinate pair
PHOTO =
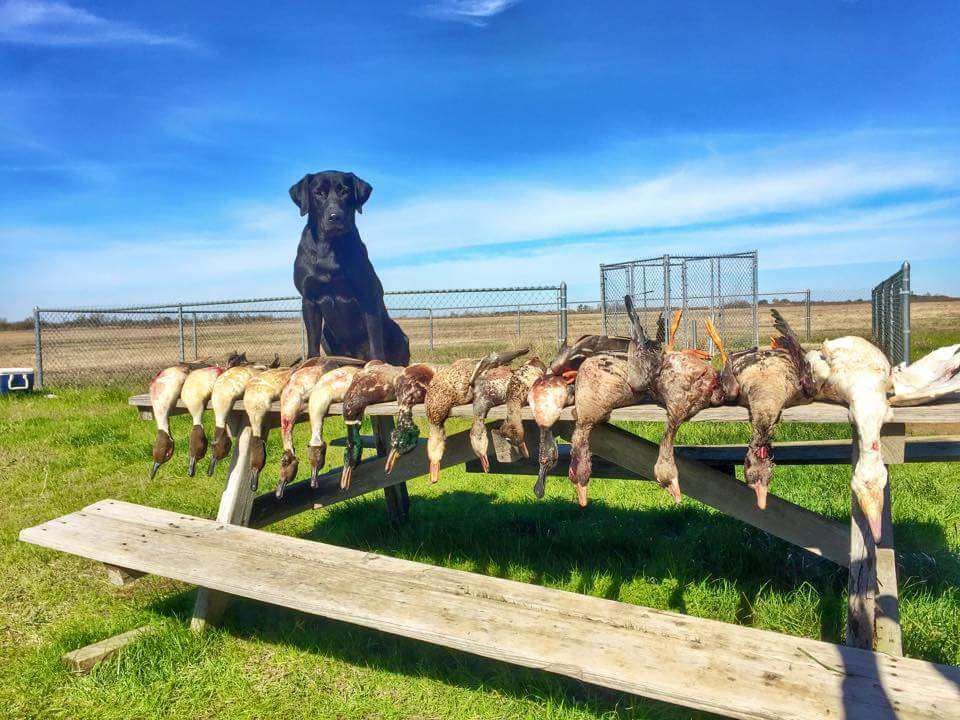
(601, 550)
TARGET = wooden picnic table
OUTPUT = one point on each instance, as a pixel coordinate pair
(741, 672)
(706, 474)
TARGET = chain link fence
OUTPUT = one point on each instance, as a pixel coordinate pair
(722, 288)
(890, 313)
(79, 346)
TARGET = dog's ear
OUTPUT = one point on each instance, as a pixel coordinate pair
(362, 190)
(300, 194)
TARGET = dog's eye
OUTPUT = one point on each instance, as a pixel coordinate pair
(344, 190)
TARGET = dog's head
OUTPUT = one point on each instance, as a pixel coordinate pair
(332, 199)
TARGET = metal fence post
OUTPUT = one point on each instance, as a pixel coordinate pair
(562, 314)
(756, 323)
(518, 321)
(807, 309)
(431, 328)
(180, 330)
(37, 348)
(303, 340)
(905, 309)
(666, 292)
(691, 339)
(196, 353)
(603, 300)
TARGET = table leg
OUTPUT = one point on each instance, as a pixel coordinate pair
(396, 496)
(236, 504)
(873, 610)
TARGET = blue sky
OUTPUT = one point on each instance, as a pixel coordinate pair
(146, 149)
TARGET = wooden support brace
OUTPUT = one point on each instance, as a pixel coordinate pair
(84, 659)
(813, 532)
(873, 609)
(121, 576)
(236, 504)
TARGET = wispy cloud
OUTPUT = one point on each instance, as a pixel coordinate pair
(41, 22)
(472, 12)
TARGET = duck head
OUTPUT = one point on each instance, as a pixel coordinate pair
(162, 451)
(581, 464)
(403, 438)
(219, 449)
(258, 458)
(198, 448)
(288, 469)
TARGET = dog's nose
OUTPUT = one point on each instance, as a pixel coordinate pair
(333, 217)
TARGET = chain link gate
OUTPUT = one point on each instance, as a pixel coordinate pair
(890, 312)
(722, 288)
(78, 346)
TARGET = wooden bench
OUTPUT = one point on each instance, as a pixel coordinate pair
(704, 664)
(854, 682)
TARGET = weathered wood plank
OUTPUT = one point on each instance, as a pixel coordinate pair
(803, 452)
(818, 412)
(813, 532)
(727, 669)
(236, 504)
(121, 576)
(84, 659)
(368, 476)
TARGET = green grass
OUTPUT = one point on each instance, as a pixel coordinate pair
(631, 544)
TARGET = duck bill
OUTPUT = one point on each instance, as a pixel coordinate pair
(761, 490)
(346, 475)
(153, 470)
(484, 462)
(434, 472)
(540, 487)
(254, 479)
(392, 458)
(581, 494)
(871, 503)
(212, 466)
(192, 467)
(523, 449)
(674, 489)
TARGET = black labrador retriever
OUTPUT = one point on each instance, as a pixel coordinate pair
(343, 308)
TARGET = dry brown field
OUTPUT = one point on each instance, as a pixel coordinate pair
(85, 354)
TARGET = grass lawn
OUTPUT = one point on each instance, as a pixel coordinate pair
(631, 544)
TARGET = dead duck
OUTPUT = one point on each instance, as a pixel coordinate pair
(164, 392)
(196, 393)
(765, 380)
(258, 395)
(554, 391)
(227, 390)
(411, 390)
(933, 376)
(489, 390)
(453, 385)
(375, 383)
(853, 371)
(330, 389)
(292, 399)
(605, 382)
(685, 384)
(521, 380)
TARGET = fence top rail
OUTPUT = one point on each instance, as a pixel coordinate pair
(658, 259)
(174, 307)
(894, 278)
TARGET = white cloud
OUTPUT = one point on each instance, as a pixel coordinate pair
(41, 22)
(800, 209)
(472, 12)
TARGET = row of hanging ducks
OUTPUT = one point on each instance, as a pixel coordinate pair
(595, 375)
